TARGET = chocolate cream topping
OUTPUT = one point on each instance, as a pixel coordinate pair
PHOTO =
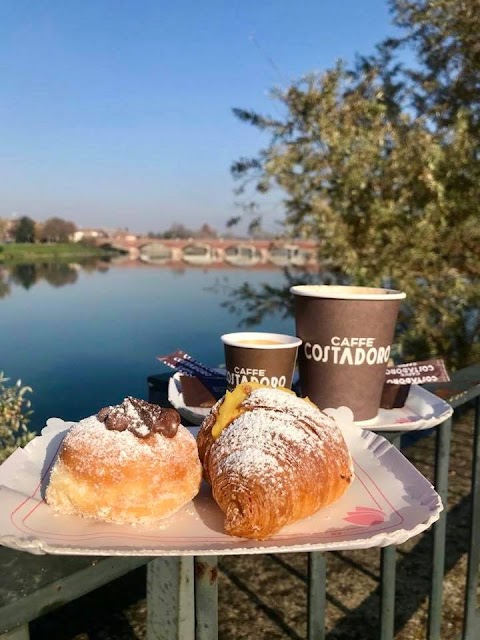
(140, 417)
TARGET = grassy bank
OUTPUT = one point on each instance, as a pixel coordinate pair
(26, 252)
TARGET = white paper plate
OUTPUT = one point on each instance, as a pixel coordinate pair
(389, 502)
(422, 410)
(194, 415)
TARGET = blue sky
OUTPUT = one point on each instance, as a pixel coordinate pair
(118, 113)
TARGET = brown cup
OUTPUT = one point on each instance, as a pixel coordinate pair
(347, 334)
(267, 358)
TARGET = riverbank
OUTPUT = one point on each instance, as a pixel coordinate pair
(15, 253)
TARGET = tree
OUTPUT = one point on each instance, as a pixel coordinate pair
(3, 229)
(25, 230)
(390, 191)
(206, 231)
(444, 36)
(57, 230)
(15, 415)
(178, 231)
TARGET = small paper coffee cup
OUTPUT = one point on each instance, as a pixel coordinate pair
(347, 334)
(266, 358)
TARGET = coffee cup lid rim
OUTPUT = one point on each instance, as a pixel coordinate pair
(345, 292)
(287, 341)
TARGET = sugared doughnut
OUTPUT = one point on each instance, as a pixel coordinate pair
(132, 463)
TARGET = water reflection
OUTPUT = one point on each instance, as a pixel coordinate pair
(57, 274)
(24, 275)
(90, 345)
(4, 284)
(433, 322)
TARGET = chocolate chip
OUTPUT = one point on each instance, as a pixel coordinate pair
(103, 413)
(166, 423)
(117, 422)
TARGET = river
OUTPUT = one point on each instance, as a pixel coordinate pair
(85, 337)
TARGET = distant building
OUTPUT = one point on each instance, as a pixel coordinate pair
(7, 230)
(124, 236)
(89, 234)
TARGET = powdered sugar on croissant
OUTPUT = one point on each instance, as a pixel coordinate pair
(279, 459)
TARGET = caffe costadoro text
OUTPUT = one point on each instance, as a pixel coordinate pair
(352, 351)
(239, 375)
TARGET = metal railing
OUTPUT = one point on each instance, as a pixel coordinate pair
(191, 608)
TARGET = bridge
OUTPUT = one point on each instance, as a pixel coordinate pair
(215, 251)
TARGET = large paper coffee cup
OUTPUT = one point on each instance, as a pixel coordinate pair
(267, 358)
(347, 334)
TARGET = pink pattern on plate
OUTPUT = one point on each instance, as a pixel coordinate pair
(365, 516)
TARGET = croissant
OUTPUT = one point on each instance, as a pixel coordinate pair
(271, 458)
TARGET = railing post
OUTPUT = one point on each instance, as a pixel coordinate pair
(317, 581)
(442, 458)
(388, 559)
(170, 610)
(470, 624)
(206, 598)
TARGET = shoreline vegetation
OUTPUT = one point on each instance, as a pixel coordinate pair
(12, 253)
